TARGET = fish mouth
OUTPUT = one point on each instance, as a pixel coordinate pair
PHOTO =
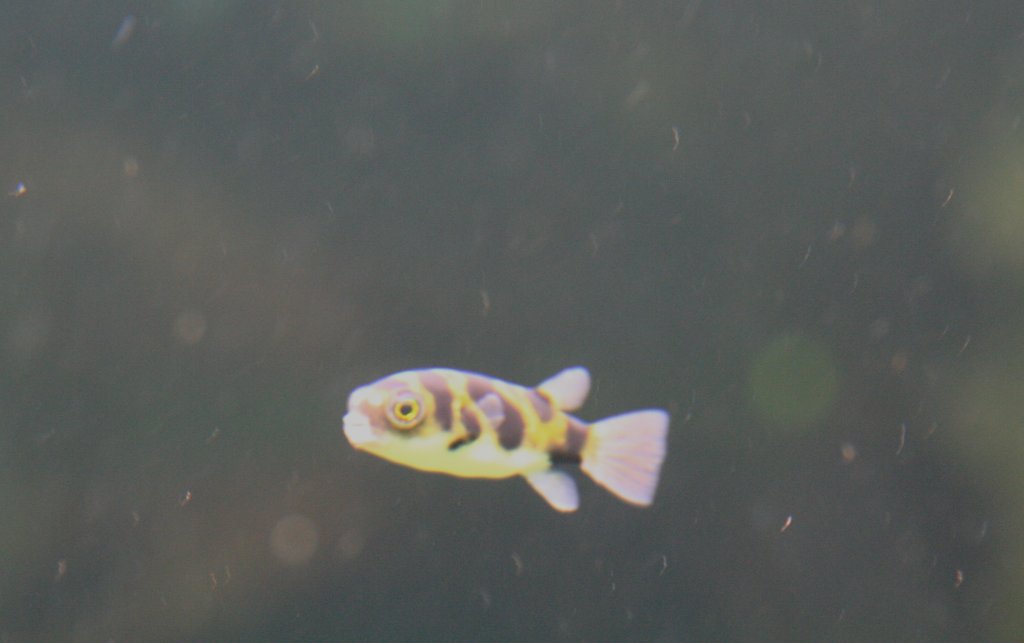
(358, 430)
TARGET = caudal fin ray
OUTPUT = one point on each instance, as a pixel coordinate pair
(627, 453)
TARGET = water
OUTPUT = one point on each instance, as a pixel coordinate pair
(797, 228)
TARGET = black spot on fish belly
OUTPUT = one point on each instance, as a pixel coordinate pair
(510, 433)
(437, 385)
(460, 442)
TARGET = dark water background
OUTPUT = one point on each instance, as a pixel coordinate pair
(798, 226)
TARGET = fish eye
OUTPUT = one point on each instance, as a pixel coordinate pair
(405, 411)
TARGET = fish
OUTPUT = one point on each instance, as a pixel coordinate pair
(475, 426)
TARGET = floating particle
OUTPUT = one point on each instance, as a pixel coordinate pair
(350, 544)
(519, 564)
(124, 32)
(130, 167)
(899, 361)
(837, 231)
(639, 93)
(190, 327)
(849, 452)
(864, 233)
(294, 539)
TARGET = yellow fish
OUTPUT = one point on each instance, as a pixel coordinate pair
(474, 426)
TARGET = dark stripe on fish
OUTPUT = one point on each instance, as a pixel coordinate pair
(575, 439)
(472, 424)
(478, 387)
(541, 405)
(561, 457)
(510, 433)
(437, 385)
(575, 436)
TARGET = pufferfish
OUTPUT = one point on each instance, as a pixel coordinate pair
(474, 426)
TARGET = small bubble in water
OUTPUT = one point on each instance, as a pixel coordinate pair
(294, 539)
(190, 327)
(849, 452)
(350, 545)
(130, 167)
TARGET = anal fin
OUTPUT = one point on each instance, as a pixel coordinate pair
(557, 487)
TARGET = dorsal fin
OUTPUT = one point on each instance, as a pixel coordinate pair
(567, 389)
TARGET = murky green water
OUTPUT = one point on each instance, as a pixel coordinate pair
(796, 227)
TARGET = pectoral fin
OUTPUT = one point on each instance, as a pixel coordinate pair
(557, 487)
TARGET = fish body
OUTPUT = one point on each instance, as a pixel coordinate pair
(474, 426)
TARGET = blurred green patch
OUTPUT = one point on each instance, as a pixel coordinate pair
(405, 22)
(197, 15)
(392, 25)
(986, 436)
(987, 227)
(793, 381)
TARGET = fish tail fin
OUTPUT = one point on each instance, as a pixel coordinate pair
(624, 454)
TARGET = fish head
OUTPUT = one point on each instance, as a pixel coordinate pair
(390, 417)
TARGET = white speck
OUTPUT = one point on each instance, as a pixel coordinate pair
(807, 255)
(949, 197)
(967, 342)
(519, 564)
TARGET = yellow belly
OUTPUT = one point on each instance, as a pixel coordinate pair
(484, 458)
